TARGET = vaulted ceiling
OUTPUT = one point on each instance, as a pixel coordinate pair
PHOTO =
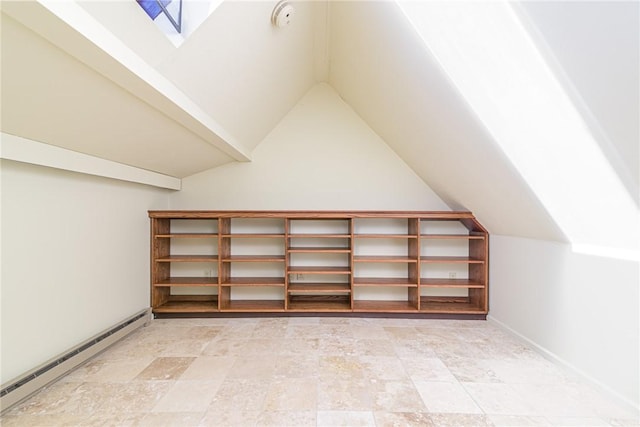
(99, 78)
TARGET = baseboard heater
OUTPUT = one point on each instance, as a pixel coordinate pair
(26, 385)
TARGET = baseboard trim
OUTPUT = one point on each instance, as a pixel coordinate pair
(620, 399)
(21, 388)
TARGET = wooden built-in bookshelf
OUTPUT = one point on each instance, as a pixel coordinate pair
(396, 262)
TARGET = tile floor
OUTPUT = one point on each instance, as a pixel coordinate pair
(319, 372)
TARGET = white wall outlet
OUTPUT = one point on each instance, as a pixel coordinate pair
(452, 275)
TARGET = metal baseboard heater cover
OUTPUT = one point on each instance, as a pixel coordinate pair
(26, 385)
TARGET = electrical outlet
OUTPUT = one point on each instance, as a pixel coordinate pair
(452, 275)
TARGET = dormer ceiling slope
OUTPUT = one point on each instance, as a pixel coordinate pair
(238, 76)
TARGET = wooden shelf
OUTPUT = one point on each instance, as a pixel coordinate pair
(451, 259)
(385, 281)
(187, 235)
(253, 235)
(190, 304)
(451, 283)
(319, 303)
(319, 270)
(319, 288)
(384, 306)
(412, 234)
(254, 306)
(452, 236)
(188, 281)
(385, 236)
(319, 236)
(254, 281)
(188, 258)
(318, 249)
(384, 258)
(254, 258)
(448, 305)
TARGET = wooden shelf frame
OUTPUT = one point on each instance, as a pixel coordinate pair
(338, 240)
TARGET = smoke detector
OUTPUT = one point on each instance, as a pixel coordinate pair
(282, 14)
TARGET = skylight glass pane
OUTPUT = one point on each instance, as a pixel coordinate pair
(495, 65)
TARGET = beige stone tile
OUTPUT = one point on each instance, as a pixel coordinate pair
(263, 346)
(120, 420)
(367, 331)
(517, 420)
(184, 348)
(500, 399)
(427, 369)
(401, 332)
(457, 349)
(412, 348)
(286, 419)
(626, 422)
(304, 320)
(446, 397)
(352, 395)
(229, 417)
(398, 396)
(207, 368)
(235, 330)
(170, 419)
(253, 367)
(345, 418)
(188, 396)
(240, 395)
(402, 419)
(342, 330)
(302, 366)
(335, 321)
(109, 370)
(270, 328)
(337, 346)
(467, 369)
(555, 400)
(48, 420)
(120, 398)
(165, 368)
(300, 347)
(534, 371)
(374, 347)
(341, 368)
(460, 420)
(225, 347)
(577, 422)
(49, 400)
(292, 394)
(383, 368)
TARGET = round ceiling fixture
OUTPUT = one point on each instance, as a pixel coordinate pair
(282, 14)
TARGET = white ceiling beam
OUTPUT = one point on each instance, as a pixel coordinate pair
(28, 151)
(72, 29)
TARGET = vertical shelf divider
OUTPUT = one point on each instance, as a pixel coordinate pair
(224, 268)
(413, 251)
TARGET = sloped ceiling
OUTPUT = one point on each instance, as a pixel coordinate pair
(246, 75)
(418, 112)
(242, 73)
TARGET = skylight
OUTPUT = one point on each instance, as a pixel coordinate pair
(178, 19)
(491, 59)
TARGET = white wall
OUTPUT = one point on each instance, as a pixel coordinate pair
(75, 259)
(320, 156)
(582, 309)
